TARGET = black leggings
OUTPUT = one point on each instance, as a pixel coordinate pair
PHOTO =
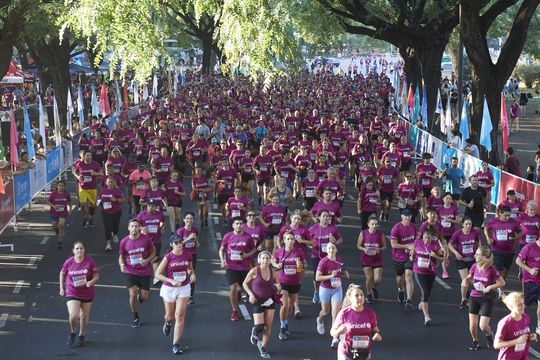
(111, 222)
(425, 281)
(194, 263)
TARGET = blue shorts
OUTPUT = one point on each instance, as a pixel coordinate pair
(333, 295)
(56, 218)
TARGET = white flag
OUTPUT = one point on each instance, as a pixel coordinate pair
(145, 92)
(42, 124)
(448, 119)
(119, 102)
(136, 93)
(57, 126)
(155, 87)
(95, 103)
(80, 106)
(175, 86)
(70, 111)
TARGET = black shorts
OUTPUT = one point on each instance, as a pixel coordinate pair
(247, 177)
(460, 264)
(477, 221)
(400, 267)
(142, 282)
(502, 260)
(236, 276)
(291, 289)
(258, 308)
(222, 199)
(482, 305)
(262, 182)
(83, 301)
(179, 205)
(158, 251)
(309, 202)
(532, 293)
(405, 166)
(426, 192)
(387, 196)
(273, 230)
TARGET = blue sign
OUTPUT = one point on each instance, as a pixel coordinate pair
(447, 155)
(496, 187)
(54, 166)
(21, 187)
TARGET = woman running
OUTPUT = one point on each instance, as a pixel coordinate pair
(372, 243)
(60, 203)
(356, 326)
(329, 273)
(77, 279)
(110, 201)
(200, 190)
(485, 279)
(174, 191)
(189, 235)
(368, 198)
(177, 273)
(259, 284)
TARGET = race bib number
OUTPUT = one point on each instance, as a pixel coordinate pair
(268, 302)
(528, 238)
(360, 342)
(502, 235)
(393, 163)
(335, 282)
(467, 249)
(423, 262)
(406, 154)
(87, 179)
(179, 276)
(228, 186)
(387, 179)
(263, 167)
(425, 182)
(372, 200)
(371, 251)
(189, 244)
(135, 259)
(276, 220)
(235, 213)
(445, 224)
(79, 281)
(107, 205)
(289, 269)
(164, 168)
(309, 193)
(196, 153)
(323, 247)
(478, 286)
(152, 229)
(235, 255)
(59, 208)
(519, 347)
(99, 152)
(140, 186)
(284, 174)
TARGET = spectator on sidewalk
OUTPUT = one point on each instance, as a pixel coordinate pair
(512, 164)
(471, 149)
(515, 112)
(453, 176)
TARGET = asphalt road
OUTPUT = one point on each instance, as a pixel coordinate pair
(33, 317)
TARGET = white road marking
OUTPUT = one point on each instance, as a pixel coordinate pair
(244, 311)
(535, 353)
(350, 197)
(3, 319)
(18, 287)
(11, 246)
(45, 240)
(218, 236)
(32, 260)
(442, 283)
(216, 220)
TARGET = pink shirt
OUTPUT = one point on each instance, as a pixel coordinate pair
(387, 178)
(109, 206)
(501, 232)
(510, 329)
(140, 184)
(423, 262)
(465, 244)
(528, 228)
(482, 278)
(321, 238)
(237, 245)
(134, 251)
(78, 275)
(371, 241)
(530, 255)
(360, 325)
(191, 245)
(326, 266)
(332, 207)
(423, 170)
(451, 213)
(403, 235)
(87, 181)
(151, 224)
(177, 267)
(288, 274)
(60, 203)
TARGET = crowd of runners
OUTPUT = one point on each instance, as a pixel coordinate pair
(277, 160)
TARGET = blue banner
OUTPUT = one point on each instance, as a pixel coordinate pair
(413, 135)
(54, 165)
(111, 122)
(447, 155)
(496, 188)
(22, 194)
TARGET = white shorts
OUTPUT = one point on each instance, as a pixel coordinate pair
(171, 293)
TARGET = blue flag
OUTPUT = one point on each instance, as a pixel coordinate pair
(416, 111)
(28, 134)
(94, 103)
(487, 126)
(464, 123)
(80, 106)
(423, 110)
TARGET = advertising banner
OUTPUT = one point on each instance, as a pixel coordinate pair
(21, 184)
(7, 206)
(54, 164)
(495, 190)
(38, 177)
(508, 182)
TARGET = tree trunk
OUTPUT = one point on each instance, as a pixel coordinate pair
(10, 33)
(207, 54)
(431, 56)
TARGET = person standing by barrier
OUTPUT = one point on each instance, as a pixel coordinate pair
(77, 278)
(60, 207)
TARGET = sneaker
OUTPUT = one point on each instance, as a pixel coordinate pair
(375, 293)
(82, 341)
(297, 314)
(401, 296)
(135, 323)
(489, 343)
(234, 316)
(335, 343)
(445, 275)
(84, 224)
(408, 305)
(115, 239)
(191, 301)
(91, 222)
(166, 328)
(282, 334)
(464, 305)
(71, 339)
(369, 298)
(419, 306)
(176, 349)
(427, 320)
(254, 338)
(316, 299)
(320, 326)
(474, 346)
(60, 246)
(264, 353)
(108, 247)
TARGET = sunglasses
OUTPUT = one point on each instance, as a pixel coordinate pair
(250, 215)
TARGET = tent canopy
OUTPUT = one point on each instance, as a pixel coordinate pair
(16, 75)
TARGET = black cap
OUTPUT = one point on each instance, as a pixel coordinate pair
(174, 238)
(153, 202)
(406, 212)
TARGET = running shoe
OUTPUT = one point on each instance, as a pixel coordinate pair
(287, 330)
(474, 346)
(264, 353)
(408, 305)
(369, 298)
(375, 293)
(427, 320)
(108, 247)
(489, 343)
(464, 305)
(82, 340)
(335, 342)
(84, 224)
(297, 314)
(234, 316)
(91, 222)
(320, 326)
(445, 275)
(166, 328)
(71, 339)
(282, 334)
(401, 296)
(316, 299)
(135, 323)
(176, 349)
(254, 338)
(191, 301)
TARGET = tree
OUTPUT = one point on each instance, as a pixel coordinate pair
(12, 20)
(488, 78)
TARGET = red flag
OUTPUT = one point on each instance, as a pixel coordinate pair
(104, 106)
(504, 123)
(13, 141)
(126, 97)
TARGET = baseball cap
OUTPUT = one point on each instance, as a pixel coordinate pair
(406, 212)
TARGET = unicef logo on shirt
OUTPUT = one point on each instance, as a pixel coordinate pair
(85, 271)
